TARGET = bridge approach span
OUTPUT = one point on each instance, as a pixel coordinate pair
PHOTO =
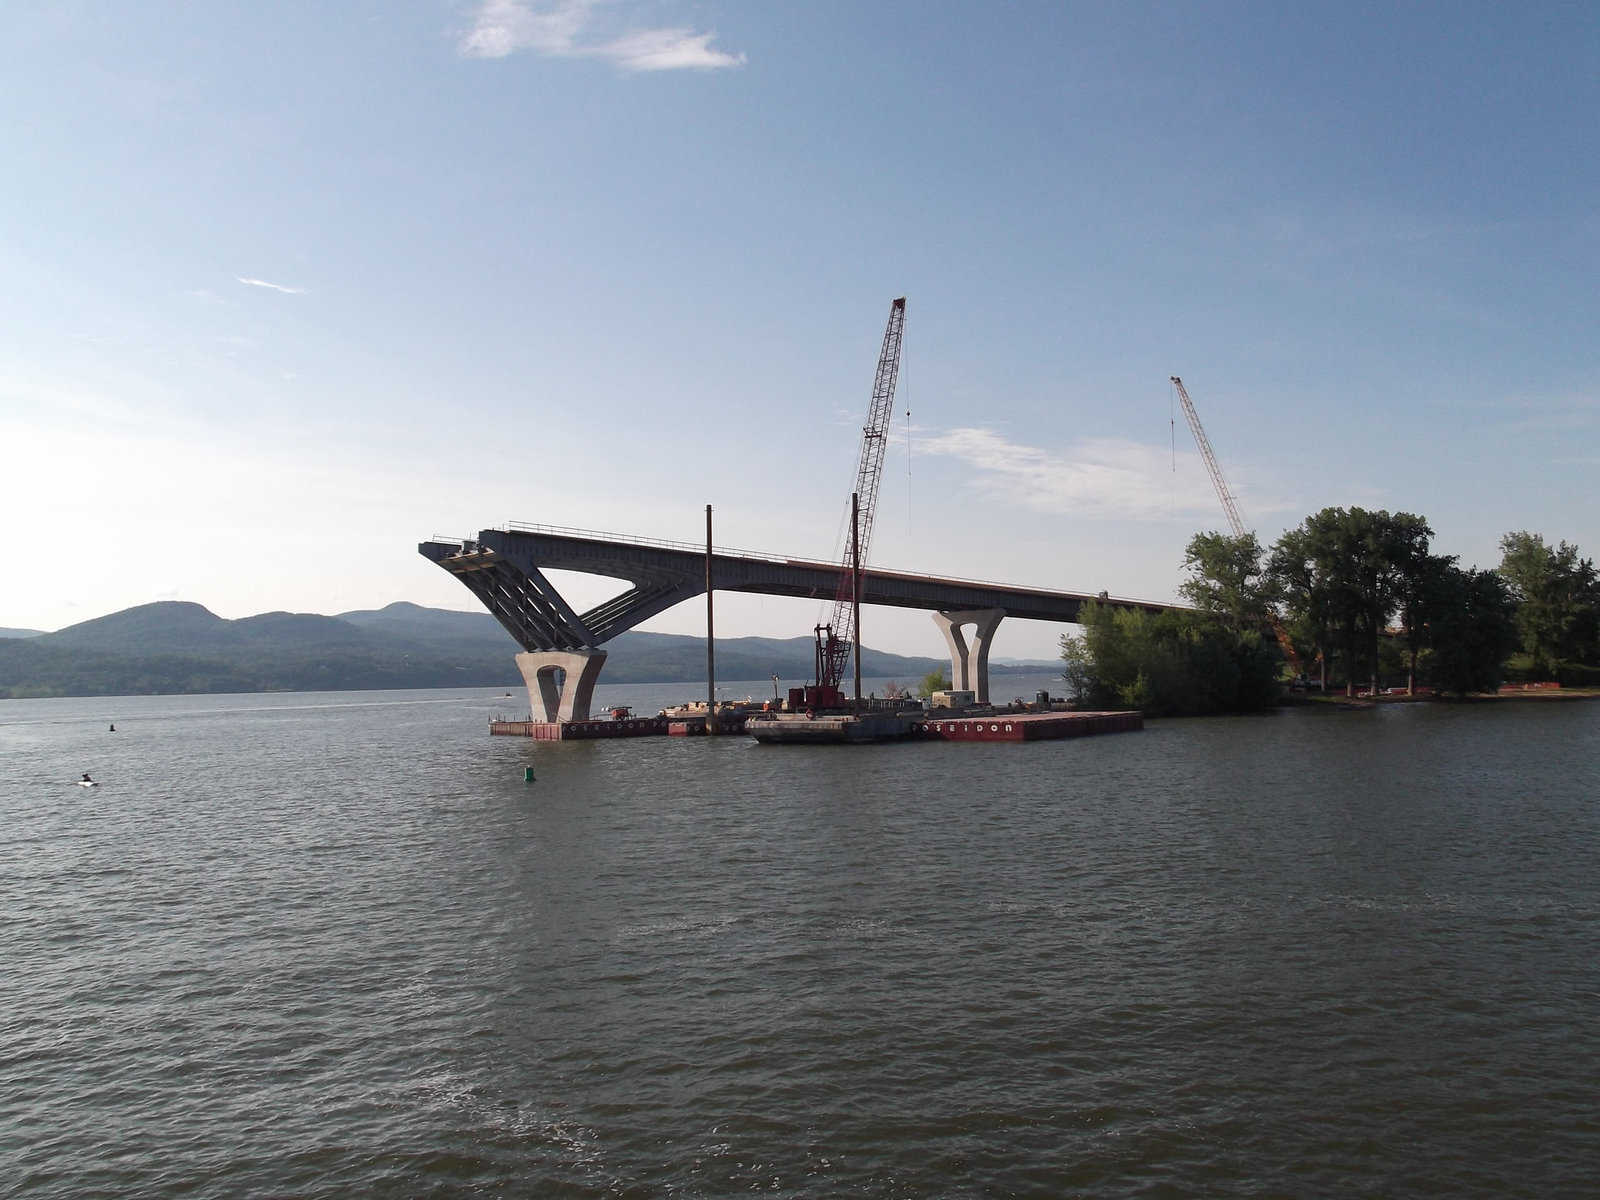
(505, 569)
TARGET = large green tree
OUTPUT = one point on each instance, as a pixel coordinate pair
(1426, 589)
(1168, 664)
(1471, 631)
(1558, 601)
(1298, 575)
(1228, 579)
(1342, 574)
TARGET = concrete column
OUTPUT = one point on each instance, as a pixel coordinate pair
(571, 701)
(969, 665)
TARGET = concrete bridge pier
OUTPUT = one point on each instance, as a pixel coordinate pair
(569, 702)
(969, 665)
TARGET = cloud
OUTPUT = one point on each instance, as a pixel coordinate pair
(277, 287)
(1102, 477)
(668, 50)
(566, 29)
(503, 26)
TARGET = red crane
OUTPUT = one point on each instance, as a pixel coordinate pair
(1229, 506)
(836, 639)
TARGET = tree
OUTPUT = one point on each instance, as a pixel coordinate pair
(1471, 632)
(1227, 578)
(1424, 592)
(937, 680)
(1297, 574)
(1558, 601)
(1077, 667)
(1341, 576)
(1168, 664)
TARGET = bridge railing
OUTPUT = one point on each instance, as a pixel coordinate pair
(596, 535)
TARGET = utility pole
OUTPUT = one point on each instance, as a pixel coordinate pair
(855, 585)
(711, 645)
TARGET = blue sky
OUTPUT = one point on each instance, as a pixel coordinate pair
(289, 288)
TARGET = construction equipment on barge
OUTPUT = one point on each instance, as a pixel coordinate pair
(839, 638)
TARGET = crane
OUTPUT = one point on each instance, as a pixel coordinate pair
(835, 639)
(1229, 506)
(1217, 481)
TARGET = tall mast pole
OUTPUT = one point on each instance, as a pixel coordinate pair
(855, 585)
(711, 645)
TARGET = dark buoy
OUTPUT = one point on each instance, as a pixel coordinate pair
(527, 774)
(113, 729)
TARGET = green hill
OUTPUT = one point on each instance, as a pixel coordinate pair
(178, 647)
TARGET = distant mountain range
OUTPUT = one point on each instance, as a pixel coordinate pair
(177, 647)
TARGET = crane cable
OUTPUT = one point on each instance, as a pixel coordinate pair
(911, 507)
(1172, 429)
(905, 393)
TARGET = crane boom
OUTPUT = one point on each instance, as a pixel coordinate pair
(1229, 507)
(834, 648)
(1217, 481)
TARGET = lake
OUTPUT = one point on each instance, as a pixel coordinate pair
(333, 945)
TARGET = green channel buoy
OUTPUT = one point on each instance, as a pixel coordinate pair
(527, 774)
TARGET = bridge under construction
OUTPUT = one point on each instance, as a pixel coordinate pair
(562, 651)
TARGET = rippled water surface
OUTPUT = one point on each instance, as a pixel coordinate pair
(334, 945)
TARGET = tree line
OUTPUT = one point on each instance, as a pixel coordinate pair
(1349, 596)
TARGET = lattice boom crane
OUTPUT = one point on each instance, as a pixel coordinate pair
(1217, 481)
(1228, 505)
(834, 640)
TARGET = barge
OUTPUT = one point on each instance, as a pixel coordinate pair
(1012, 726)
(834, 729)
(577, 731)
(685, 721)
(829, 729)
(1024, 726)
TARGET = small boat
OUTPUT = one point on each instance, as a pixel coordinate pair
(86, 781)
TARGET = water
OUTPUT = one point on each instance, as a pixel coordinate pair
(333, 945)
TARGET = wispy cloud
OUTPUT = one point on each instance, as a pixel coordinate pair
(572, 29)
(1102, 477)
(277, 287)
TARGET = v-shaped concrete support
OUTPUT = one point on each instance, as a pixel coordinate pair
(570, 701)
(969, 665)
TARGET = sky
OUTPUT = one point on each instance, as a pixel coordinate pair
(286, 289)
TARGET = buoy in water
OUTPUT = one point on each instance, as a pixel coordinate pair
(113, 729)
(527, 775)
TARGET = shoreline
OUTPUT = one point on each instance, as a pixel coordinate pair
(1300, 700)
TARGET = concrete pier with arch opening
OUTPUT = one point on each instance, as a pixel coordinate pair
(969, 663)
(570, 698)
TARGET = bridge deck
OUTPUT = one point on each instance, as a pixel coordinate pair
(504, 568)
